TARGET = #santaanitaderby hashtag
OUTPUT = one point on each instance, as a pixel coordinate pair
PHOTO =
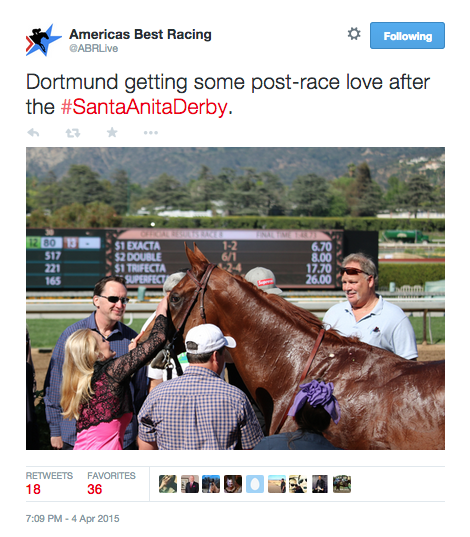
(153, 107)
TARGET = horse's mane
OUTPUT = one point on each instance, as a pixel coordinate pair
(291, 310)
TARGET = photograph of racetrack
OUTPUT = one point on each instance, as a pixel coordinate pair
(328, 262)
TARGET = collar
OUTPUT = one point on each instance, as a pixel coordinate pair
(92, 324)
(376, 311)
(200, 371)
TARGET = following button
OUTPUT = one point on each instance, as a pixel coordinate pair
(407, 35)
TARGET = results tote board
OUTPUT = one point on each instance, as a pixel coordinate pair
(78, 258)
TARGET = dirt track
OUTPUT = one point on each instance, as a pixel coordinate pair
(427, 353)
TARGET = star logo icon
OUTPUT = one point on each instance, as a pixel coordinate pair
(112, 132)
(40, 41)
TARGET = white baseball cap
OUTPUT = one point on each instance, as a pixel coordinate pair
(264, 279)
(208, 338)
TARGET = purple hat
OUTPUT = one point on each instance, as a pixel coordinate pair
(317, 393)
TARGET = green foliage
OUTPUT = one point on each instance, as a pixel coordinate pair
(48, 195)
(31, 193)
(366, 199)
(310, 195)
(420, 193)
(167, 192)
(38, 219)
(396, 195)
(436, 225)
(247, 192)
(96, 214)
(271, 195)
(81, 185)
(410, 273)
(120, 191)
(205, 189)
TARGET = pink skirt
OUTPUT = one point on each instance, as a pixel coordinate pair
(105, 435)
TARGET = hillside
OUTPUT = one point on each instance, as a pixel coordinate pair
(185, 163)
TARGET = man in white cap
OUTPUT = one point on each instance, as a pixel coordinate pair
(199, 410)
(264, 279)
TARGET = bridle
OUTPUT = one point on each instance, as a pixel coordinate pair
(201, 288)
(169, 349)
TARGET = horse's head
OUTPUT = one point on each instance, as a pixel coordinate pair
(187, 307)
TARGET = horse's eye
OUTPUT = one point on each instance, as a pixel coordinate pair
(174, 299)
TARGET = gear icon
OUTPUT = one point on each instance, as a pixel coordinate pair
(354, 33)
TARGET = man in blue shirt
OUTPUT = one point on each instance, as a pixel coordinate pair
(367, 315)
(110, 300)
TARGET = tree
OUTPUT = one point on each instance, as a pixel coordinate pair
(270, 192)
(241, 197)
(203, 190)
(420, 193)
(340, 195)
(31, 185)
(99, 214)
(351, 169)
(439, 194)
(367, 194)
(69, 216)
(310, 195)
(96, 214)
(48, 195)
(167, 192)
(396, 195)
(39, 219)
(120, 191)
(81, 185)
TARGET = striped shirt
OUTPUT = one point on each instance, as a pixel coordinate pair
(119, 340)
(198, 411)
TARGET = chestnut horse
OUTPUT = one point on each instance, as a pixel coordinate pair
(386, 402)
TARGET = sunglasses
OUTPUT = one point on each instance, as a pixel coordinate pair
(115, 299)
(353, 271)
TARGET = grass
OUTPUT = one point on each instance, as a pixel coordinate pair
(438, 329)
(44, 333)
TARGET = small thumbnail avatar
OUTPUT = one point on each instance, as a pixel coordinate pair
(342, 483)
(211, 483)
(298, 484)
(277, 483)
(190, 484)
(320, 484)
(167, 483)
(233, 483)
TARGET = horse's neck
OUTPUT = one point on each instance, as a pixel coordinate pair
(272, 347)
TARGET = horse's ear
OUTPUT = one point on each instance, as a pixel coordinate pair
(197, 259)
(200, 254)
